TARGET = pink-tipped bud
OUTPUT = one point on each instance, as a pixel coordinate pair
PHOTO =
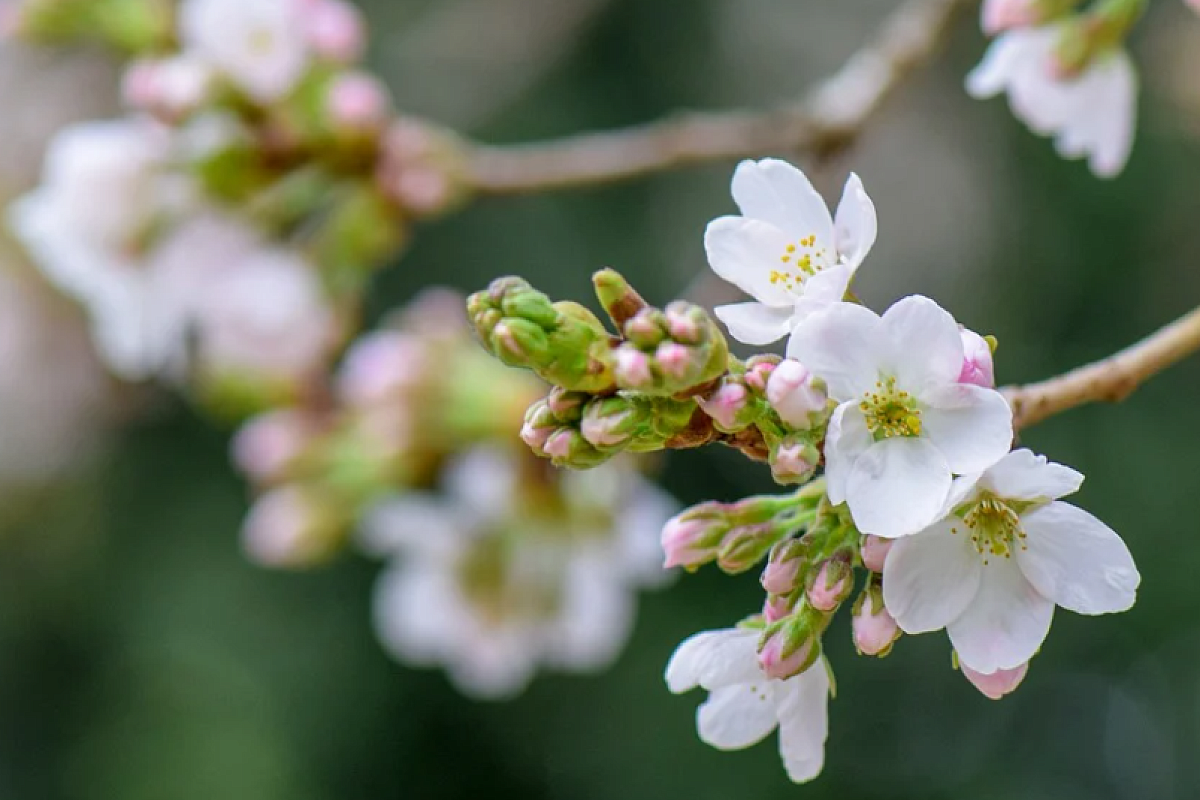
(540, 423)
(675, 360)
(831, 586)
(758, 372)
(357, 101)
(611, 421)
(682, 325)
(998, 683)
(977, 365)
(874, 552)
(632, 368)
(1002, 15)
(286, 528)
(779, 577)
(335, 30)
(643, 329)
(727, 406)
(266, 446)
(422, 190)
(874, 628)
(169, 87)
(559, 444)
(793, 461)
(795, 394)
(380, 366)
(776, 607)
(694, 537)
(788, 651)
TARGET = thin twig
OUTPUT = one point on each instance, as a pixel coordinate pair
(826, 119)
(1111, 379)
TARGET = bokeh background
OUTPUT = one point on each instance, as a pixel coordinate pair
(142, 657)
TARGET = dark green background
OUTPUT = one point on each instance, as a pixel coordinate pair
(141, 657)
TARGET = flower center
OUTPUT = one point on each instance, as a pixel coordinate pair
(800, 260)
(995, 528)
(890, 412)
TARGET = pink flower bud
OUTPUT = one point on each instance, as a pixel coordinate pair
(335, 30)
(874, 628)
(1001, 15)
(633, 367)
(758, 374)
(559, 444)
(793, 462)
(380, 366)
(674, 359)
(682, 326)
(284, 529)
(268, 444)
(779, 577)
(998, 683)
(776, 664)
(726, 405)
(693, 538)
(830, 587)
(422, 190)
(357, 101)
(776, 607)
(795, 396)
(170, 87)
(977, 361)
(874, 552)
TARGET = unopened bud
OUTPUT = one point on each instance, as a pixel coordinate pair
(693, 538)
(874, 628)
(729, 406)
(632, 369)
(289, 528)
(796, 395)
(675, 360)
(776, 607)
(758, 371)
(380, 366)
(357, 101)
(977, 367)
(334, 29)
(874, 552)
(539, 423)
(998, 683)
(645, 329)
(621, 301)
(268, 445)
(831, 586)
(793, 461)
(612, 421)
(789, 647)
(519, 341)
(685, 323)
(169, 87)
(567, 406)
(566, 447)
(745, 546)
(782, 573)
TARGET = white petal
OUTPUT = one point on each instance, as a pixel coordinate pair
(1005, 624)
(855, 226)
(828, 285)
(714, 659)
(496, 664)
(737, 716)
(755, 323)
(839, 344)
(482, 480)
(644, 511)
(747, 252)
(1077, 561)
(1118, 121)
(776, 192)
(845, 440)
(1021, 475)
(923, 343)
(411, 523)
(897, 487)
(992, 74)
(417, 612)
(595, 618)
(970, 425)
(931, 577)
(804, 722)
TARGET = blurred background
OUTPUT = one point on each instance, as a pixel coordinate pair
(143, 657)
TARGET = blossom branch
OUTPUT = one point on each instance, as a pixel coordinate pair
(825, 120)
(1111, 379)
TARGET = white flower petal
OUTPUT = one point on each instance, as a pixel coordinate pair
(494, 664)
(1117, 123)
(755, 323)
(845, 440)
(417, 612)
(737, 716)
(482, 481)
(828, 285)
(970, 425)
(411, 523)
(713, 659)
(1005, 624)
(776, 192)
(1021, 475)
(804, 722)
(855, 225)
(1077, 561)
(595, 618)
(838, 344)
(746, 252)
(931, 577)
(897, 487)
(924, 347)
(992, 74)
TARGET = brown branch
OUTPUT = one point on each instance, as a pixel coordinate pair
(1111, 379)
(826, 119)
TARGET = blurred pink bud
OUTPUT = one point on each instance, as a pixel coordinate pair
(1001, 15)
(758, 375)
(138, 84)
(283, 529)
(1195, 4)
(726, 405)
(559, 443)
(682, 326)
(830, 587)
(633, 367)
(422, 190)
(171, 87)
(268, 444)
(793, 462)
(977, 366)
(692, 538)
(998, 683)
(379, 366)
(777, 665)
(779, 577)
(874, 628)
(794, 394)
(874, 552)
(674, 359)
(776, 607)
(357, 101)
(535, 435)
(335, 30)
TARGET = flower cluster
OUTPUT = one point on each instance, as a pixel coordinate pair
(920, 488)
(1066, 73)
(258, 179)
